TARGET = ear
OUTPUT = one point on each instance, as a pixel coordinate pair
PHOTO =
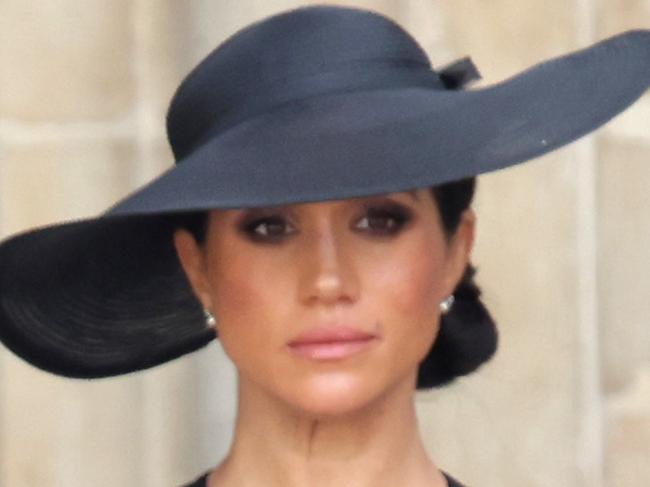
(460, 248)
(191, 257)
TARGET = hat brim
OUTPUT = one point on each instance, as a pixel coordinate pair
(106, 296)
(379, 141)
(97, 298)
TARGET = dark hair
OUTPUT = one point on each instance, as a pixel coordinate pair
(468, 335)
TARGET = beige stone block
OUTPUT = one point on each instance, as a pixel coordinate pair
(160, 28)
(169, 422)
(628, 433)
(216, 404)
(53, 181)
(516, 418)
(615, 16)
(427, 24)
(153, 157)
(624, 261)
(632, 123)
(504, 37)
(65, 60)
(58, 432)
(208, 23)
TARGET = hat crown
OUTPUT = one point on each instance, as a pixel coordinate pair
(267, 56)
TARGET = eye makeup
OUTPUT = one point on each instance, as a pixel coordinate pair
(380, 218)
(396, 214)
(270, 222)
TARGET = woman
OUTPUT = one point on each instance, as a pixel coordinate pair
(365, 271)
(322, 193)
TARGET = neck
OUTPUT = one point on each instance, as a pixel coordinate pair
(276, 445)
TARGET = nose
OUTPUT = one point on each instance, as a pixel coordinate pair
(328, 271)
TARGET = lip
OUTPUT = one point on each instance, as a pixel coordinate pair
(331, 342)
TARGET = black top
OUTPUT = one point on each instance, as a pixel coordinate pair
(201, 481)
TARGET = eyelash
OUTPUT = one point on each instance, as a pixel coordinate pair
(399, 216)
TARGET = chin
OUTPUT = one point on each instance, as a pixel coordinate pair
(334, 394)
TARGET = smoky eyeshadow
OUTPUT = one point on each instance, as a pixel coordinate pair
(382, 207)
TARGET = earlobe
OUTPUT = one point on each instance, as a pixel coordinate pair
(191, 259)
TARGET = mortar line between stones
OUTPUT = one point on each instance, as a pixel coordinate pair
(590, 447)
(152, 444)
(15, 132)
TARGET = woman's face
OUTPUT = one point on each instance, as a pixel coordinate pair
(380, 264)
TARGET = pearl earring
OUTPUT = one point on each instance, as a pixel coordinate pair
(209, 318)
(446, 304)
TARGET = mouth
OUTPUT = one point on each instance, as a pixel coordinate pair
(326, 343)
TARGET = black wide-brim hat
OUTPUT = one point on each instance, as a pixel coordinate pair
(314, 104)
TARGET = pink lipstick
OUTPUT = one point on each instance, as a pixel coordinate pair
(331, 342)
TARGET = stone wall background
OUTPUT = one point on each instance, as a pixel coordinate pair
(562, 249)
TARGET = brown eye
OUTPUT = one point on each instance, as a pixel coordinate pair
(267, 228)
(384, 221)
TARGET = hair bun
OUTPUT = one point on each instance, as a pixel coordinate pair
(467, 338)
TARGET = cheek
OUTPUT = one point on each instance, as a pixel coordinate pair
(403, 295)
(407, 293)
(410, 281)
(248, 302)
